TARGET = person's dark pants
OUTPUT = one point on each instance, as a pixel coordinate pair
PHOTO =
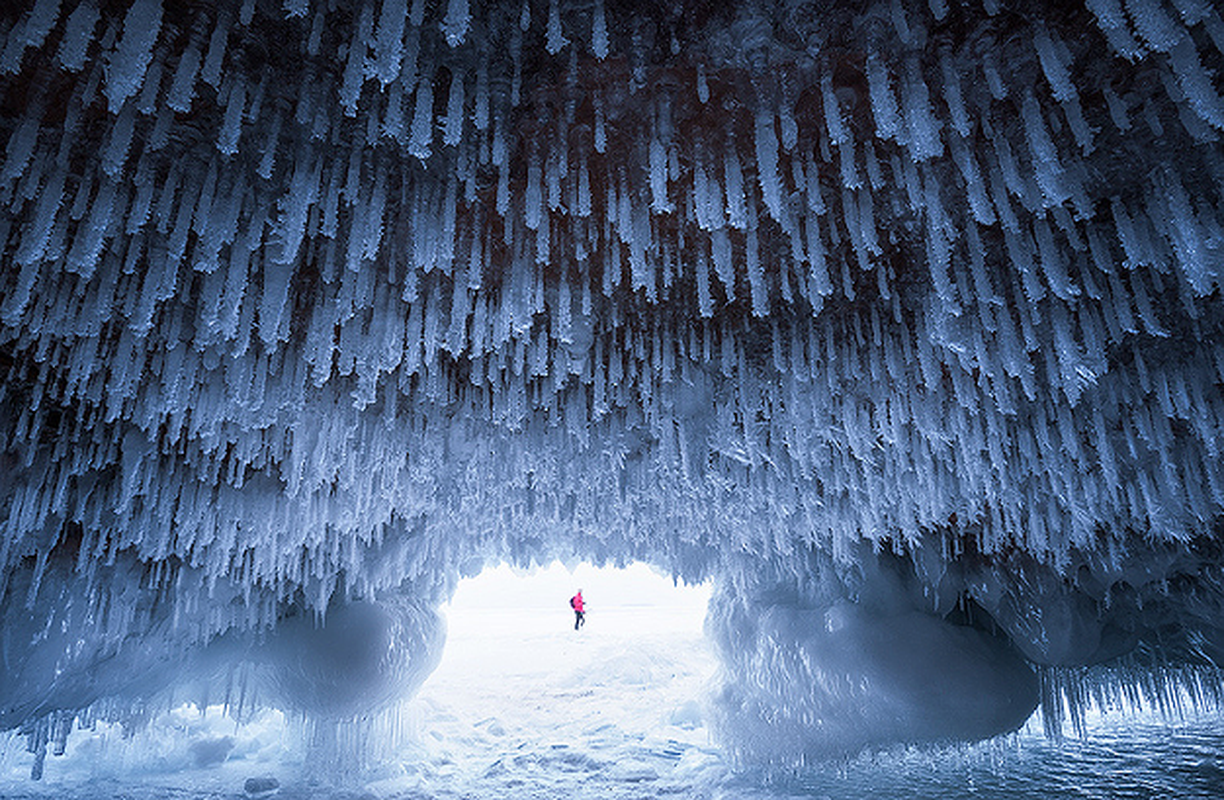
(579, 619)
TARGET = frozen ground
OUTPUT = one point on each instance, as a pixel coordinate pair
(523, 706)
(523, 703)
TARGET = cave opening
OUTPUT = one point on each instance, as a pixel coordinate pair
(518, 688)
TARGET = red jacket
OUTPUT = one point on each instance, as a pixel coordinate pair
(576, 602)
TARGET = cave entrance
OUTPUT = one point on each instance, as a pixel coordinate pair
(518, 688)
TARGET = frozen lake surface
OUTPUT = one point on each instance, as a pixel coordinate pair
(523, 706)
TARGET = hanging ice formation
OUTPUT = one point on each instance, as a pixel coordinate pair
(902, 320)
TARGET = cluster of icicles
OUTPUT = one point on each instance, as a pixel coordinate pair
(283, 284)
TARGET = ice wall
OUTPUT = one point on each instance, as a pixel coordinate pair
(819, 670)
(319, 302)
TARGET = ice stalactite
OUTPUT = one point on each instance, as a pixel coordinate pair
(320, 300)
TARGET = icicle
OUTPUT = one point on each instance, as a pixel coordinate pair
(37, 232)
(501, 160)
(867, 227)
(836, 127)
(295, 209)
(555, 39)
(453, 132)
(78, 33)
(659, 204)
(1125, 226)
(1052, 262)
(1196, 83)
(126, 67)
(787, 125)
(1056, 69)
(883, 101)
(516, 58)
(1193, 11)
(215, 58)
(820, 284)
(952, 95)
(416, 16)
(767, 162)
(1080, 129)
(1113, 22)
(707, 196)
(600, 133)
(1187, 237)
(1104, 449)
(421, 140)
(28, 33)
(1108, 13)
(40, 21)
(920, 122)
(874, 174)
(1049, 170)
(599, 31)
(231, 126)
(543, 240)
(142, 198)
(115, 154)
(19, 150)
(900, 23)
(268, 160)
(354, 68)
(847, 162)
(91, 234)
(1143, 303)
(733, 183)
(388, 41)
(639, 240)
(756, 276)
(13, 50)
(724, 267)
(393, 120)
(533, 198)
(457, 21)
(182, 89)
(963, 156)
(705, 303)
(1159, 30)
(584, 207)
(147, 101)
(815, 199)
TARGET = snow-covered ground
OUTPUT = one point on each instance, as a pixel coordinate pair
(522, 706)
(523, 702)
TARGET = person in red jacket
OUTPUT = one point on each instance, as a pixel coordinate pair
(579, 613)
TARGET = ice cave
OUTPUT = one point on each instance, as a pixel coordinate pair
(899, 321)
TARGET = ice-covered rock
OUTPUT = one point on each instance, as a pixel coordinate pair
(264, 786)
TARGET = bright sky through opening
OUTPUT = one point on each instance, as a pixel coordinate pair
(638, 585)
(515, 674)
